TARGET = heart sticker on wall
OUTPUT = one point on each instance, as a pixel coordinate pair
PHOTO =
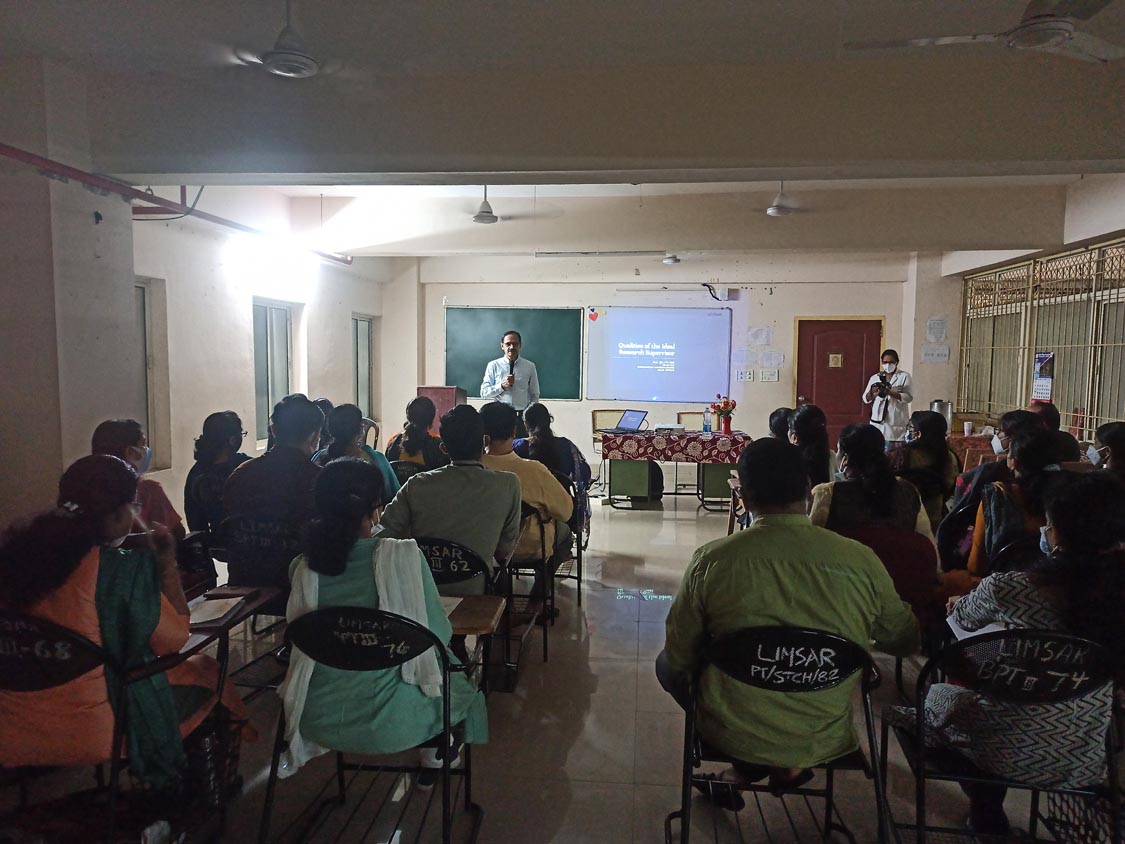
(595, 313)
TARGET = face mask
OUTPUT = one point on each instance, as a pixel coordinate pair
(117, 543)
(1044, 546)
(146, 461)
(911, 436)
(1094, 456)
(889, 367)
(997, 444)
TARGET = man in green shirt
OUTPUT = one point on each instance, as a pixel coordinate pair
(779, 571)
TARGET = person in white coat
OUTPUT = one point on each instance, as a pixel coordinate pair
(889, 392)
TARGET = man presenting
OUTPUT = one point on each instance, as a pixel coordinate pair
(511, 379)
(889, 392)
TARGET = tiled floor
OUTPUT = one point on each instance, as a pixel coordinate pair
(588, 747)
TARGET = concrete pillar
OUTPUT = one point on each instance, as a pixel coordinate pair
(926, 296)
(68, 336)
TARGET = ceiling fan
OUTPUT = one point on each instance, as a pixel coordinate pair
(484, 213)
(289, 58)
(539, 211)
(1047, 26)
(783, 204)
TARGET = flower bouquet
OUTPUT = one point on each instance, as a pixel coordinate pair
(724, 409)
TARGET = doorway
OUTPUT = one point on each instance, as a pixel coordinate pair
(835, 358)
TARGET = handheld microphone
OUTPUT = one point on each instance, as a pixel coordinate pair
(511, 367)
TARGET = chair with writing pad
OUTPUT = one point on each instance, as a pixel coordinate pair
(258, 553)
(406, 469)
(37, 655)
(457, 570)
(911, 561)
(578, 522)
(364, 639)
(788, 660)
(1017, 668)
(541, 608)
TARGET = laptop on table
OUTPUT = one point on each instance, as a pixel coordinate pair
(629, 423)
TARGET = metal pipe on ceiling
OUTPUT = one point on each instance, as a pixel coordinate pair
(51, 168)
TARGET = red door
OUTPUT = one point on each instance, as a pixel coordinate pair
(834, 360)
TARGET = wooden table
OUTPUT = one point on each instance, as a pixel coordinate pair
(477, 615)
(628, 456)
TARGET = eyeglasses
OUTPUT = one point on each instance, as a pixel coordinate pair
(243, 434)
(136, 507)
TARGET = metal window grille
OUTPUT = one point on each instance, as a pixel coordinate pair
(1071, 303)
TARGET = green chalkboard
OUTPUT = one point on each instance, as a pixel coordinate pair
(552, 340)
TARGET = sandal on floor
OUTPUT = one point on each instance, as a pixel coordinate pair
(779, 787)
(719, 793)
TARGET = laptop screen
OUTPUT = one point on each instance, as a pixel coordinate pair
(632, 419)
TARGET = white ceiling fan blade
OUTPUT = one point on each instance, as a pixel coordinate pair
(1081, 10)
(1087, 48)
(934, 41)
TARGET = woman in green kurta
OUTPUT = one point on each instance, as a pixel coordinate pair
(373, 712)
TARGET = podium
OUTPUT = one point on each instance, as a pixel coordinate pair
(444, 398)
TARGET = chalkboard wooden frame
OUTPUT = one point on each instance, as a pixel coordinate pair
(472, 339)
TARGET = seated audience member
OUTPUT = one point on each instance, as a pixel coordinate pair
(1078, 589)
(556, 453)
(463, 502)
(125, 438)
(926, 461)
(955, 533)
(779, 423)
(418, 443)
(538, 487)
(808, 430)
(326, 407)
(216, 456)
(67, 567)
(870, 495)
(780, 570)
(1010, 513)
(347, 563)
(1110, 447)
(279, 483)
(1051, 417)
(345, 426)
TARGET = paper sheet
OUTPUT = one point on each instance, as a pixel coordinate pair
(935, 353)
(206, 611)
(449, 604)
(936, 330)
(771, 359)
(961, 633)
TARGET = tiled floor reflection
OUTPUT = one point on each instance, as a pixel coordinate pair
(587, 748)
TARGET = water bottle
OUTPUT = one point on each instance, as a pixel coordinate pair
(706, 420)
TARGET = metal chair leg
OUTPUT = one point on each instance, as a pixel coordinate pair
(340, 783)
(271, 783)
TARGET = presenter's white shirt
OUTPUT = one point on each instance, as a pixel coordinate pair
(524, 390)
(891, 416)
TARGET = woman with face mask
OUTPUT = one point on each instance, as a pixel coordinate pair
(1078, 590)
(345, 425)
(1109, 448)
(926, 461)
(125, 438)
(67, 566)
(889, 392)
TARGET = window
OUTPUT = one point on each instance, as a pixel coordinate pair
(1072, 304)
(361, 363)
(272, 346)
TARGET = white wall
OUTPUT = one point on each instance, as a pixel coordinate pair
(768, 291)
(1094, 205)
(211, 277)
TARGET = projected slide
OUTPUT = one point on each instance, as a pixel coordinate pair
(657, 354)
